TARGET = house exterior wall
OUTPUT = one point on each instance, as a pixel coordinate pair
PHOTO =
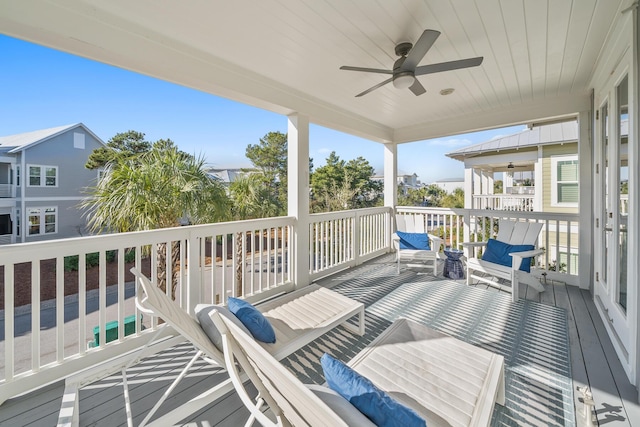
(67, 153)
(547, 176)
(450, 186)
(59, 151)
(69, 220)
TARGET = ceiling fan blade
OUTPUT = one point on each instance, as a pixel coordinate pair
(420, 49)
(371, 89)
(366, 70)
(417, 88)
(447, 66)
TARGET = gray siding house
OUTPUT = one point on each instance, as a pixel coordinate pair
(42, 180)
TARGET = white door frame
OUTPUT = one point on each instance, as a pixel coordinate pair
(620, 324)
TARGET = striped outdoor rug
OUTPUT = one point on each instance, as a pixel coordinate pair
(532, 337)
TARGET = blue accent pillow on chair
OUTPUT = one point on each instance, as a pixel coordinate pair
(419, 241)
(377, 405)
(253, 320)
(498, 253)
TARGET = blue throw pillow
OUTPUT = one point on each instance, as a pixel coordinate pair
(419, 241)
(498, 253)
(253, 320)
(377, 405)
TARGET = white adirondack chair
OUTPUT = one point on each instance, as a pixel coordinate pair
(416, 258)
(513, 233)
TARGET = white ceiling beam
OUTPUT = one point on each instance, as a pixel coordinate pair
(500, 117)
(528, 155)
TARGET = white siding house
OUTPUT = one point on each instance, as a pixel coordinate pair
(450, 184)
(538, 168)
(42, 180)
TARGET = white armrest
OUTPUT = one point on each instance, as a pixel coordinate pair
(437, 241)
(527, 254)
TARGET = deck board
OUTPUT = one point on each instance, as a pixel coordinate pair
(19, 411)
(578, 366)
(627, 392)
(601, 381)
(593, 362)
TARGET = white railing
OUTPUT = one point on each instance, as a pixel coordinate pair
(338, 240)
(559, 235)
(205, 264)
(7, 190)
(507, 202)
(49, 340)
(520, 190)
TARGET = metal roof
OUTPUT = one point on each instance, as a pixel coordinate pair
(22, 141)
(556, 133)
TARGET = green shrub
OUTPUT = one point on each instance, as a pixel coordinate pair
(93, 259)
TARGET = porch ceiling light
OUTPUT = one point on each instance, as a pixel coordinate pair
(447, 91)
(403, 80)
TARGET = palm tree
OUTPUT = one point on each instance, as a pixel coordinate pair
(251, 199)
(154, 190)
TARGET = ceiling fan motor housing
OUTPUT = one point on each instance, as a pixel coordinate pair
(402, 49)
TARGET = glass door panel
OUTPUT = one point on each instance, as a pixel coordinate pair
(606, 229)
(622, 190)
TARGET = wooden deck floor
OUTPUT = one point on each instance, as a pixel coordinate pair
(593, 363)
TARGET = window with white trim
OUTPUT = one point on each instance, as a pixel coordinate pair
(43, 176)
(43, 220)
(564, 181)
(17, 175)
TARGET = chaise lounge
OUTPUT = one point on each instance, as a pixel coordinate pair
(297, 318)
(445, 381)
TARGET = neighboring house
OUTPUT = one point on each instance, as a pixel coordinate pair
(450, 184)
(227, 176)
(539, 168)
(405, 181)
(42, 180)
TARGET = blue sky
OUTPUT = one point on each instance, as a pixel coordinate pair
(45, 88)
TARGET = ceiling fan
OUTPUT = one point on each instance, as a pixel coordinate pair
(405, 69)
(512, 166)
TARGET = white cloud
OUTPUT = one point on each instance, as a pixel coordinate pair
(324, 150)
(451, 142)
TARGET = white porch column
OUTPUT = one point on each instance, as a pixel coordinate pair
(298, 194)
(586, 221)
(477, 182)
(538, 183)
(489, 176)
(484, 186)
(390, 175)
(468, 188)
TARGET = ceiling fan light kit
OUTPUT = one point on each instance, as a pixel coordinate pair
(405, 69)
(403, 80)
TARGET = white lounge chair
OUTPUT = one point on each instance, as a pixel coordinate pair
(298, 318)
(424, 258)
(512, 233)
(446, 381)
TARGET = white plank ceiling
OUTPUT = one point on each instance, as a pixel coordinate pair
(284, 55)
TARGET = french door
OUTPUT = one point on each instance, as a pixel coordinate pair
(612, 200)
